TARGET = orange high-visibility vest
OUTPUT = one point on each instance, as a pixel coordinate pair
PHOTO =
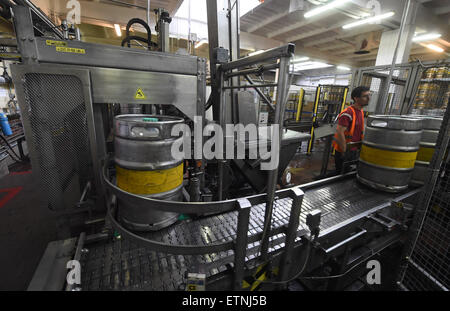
(348, 134)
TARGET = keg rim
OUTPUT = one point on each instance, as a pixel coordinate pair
(169, 119)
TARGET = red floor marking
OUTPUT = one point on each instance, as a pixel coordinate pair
(11, 193)
(20, 173)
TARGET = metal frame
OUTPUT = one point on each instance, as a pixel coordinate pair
(282, 54)
(411, 83)
(109, 75)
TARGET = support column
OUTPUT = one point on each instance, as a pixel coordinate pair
(387, 51)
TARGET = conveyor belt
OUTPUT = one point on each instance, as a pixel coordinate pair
(120, 264)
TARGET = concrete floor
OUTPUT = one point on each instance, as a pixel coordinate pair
(306, 168)
(26, 227)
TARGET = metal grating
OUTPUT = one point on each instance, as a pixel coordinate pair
(121, 265)
(57, 116)
(427, 253)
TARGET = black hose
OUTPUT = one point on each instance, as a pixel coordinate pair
(128, 39)
(147, 28)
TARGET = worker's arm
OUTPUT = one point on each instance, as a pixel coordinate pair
(341, 137)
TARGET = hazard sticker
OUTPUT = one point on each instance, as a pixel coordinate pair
(70, 50)
(140, 94)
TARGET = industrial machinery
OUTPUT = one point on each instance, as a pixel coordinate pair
(220, 219)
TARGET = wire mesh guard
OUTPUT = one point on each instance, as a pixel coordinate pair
(428, 261)
(376, 81)
(433, 92)
(300, 108)
(330, 103)
(56, 112)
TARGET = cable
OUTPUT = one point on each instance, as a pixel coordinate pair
(330, 276)
(308, 254)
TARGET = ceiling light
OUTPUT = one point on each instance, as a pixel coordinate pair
(426, 37)
(300, 59)
(256, 52)
(324, 8)
(368, 20)
(435, 48)
(343, 68)
(200, 43)
(311, 65)
(118, 31)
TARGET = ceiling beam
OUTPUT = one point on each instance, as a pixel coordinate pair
(299, 24)
(345, 34)
(314, 54)
(335, 46)
(441, 10)
(267, 21)
(315, 32)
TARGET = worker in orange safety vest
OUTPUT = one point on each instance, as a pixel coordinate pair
(350, 128)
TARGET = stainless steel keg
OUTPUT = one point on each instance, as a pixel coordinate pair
(389, 151)
(430, 133)
(145, 166)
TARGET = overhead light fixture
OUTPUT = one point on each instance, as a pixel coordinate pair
(256, 52)
(311, 65)
(434, 48)
(426, 37)
(300, 59)
(200, 43)
(369, 20)
(324, 8)
(343, 68)
(118, 31)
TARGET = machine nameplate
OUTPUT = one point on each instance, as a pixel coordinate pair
(56, 43)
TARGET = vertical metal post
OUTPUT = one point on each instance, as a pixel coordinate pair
(240, 249)
(222, 122)
(23, 26)
(273, 174)
(300, 105)
(316, 106)
(297, 198)
(148, 12)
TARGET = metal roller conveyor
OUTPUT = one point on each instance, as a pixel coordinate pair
(123, 264)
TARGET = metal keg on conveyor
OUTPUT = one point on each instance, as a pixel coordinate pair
(389, 151)
(145, 166)
(430, 133)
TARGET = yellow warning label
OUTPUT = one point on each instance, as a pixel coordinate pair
(7, 55)
(140, 94)
(70, 50)
(56, 43)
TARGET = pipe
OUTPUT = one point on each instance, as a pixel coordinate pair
(148, 12)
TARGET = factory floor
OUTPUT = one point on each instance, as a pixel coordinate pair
(27, 225)
(306, 168)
